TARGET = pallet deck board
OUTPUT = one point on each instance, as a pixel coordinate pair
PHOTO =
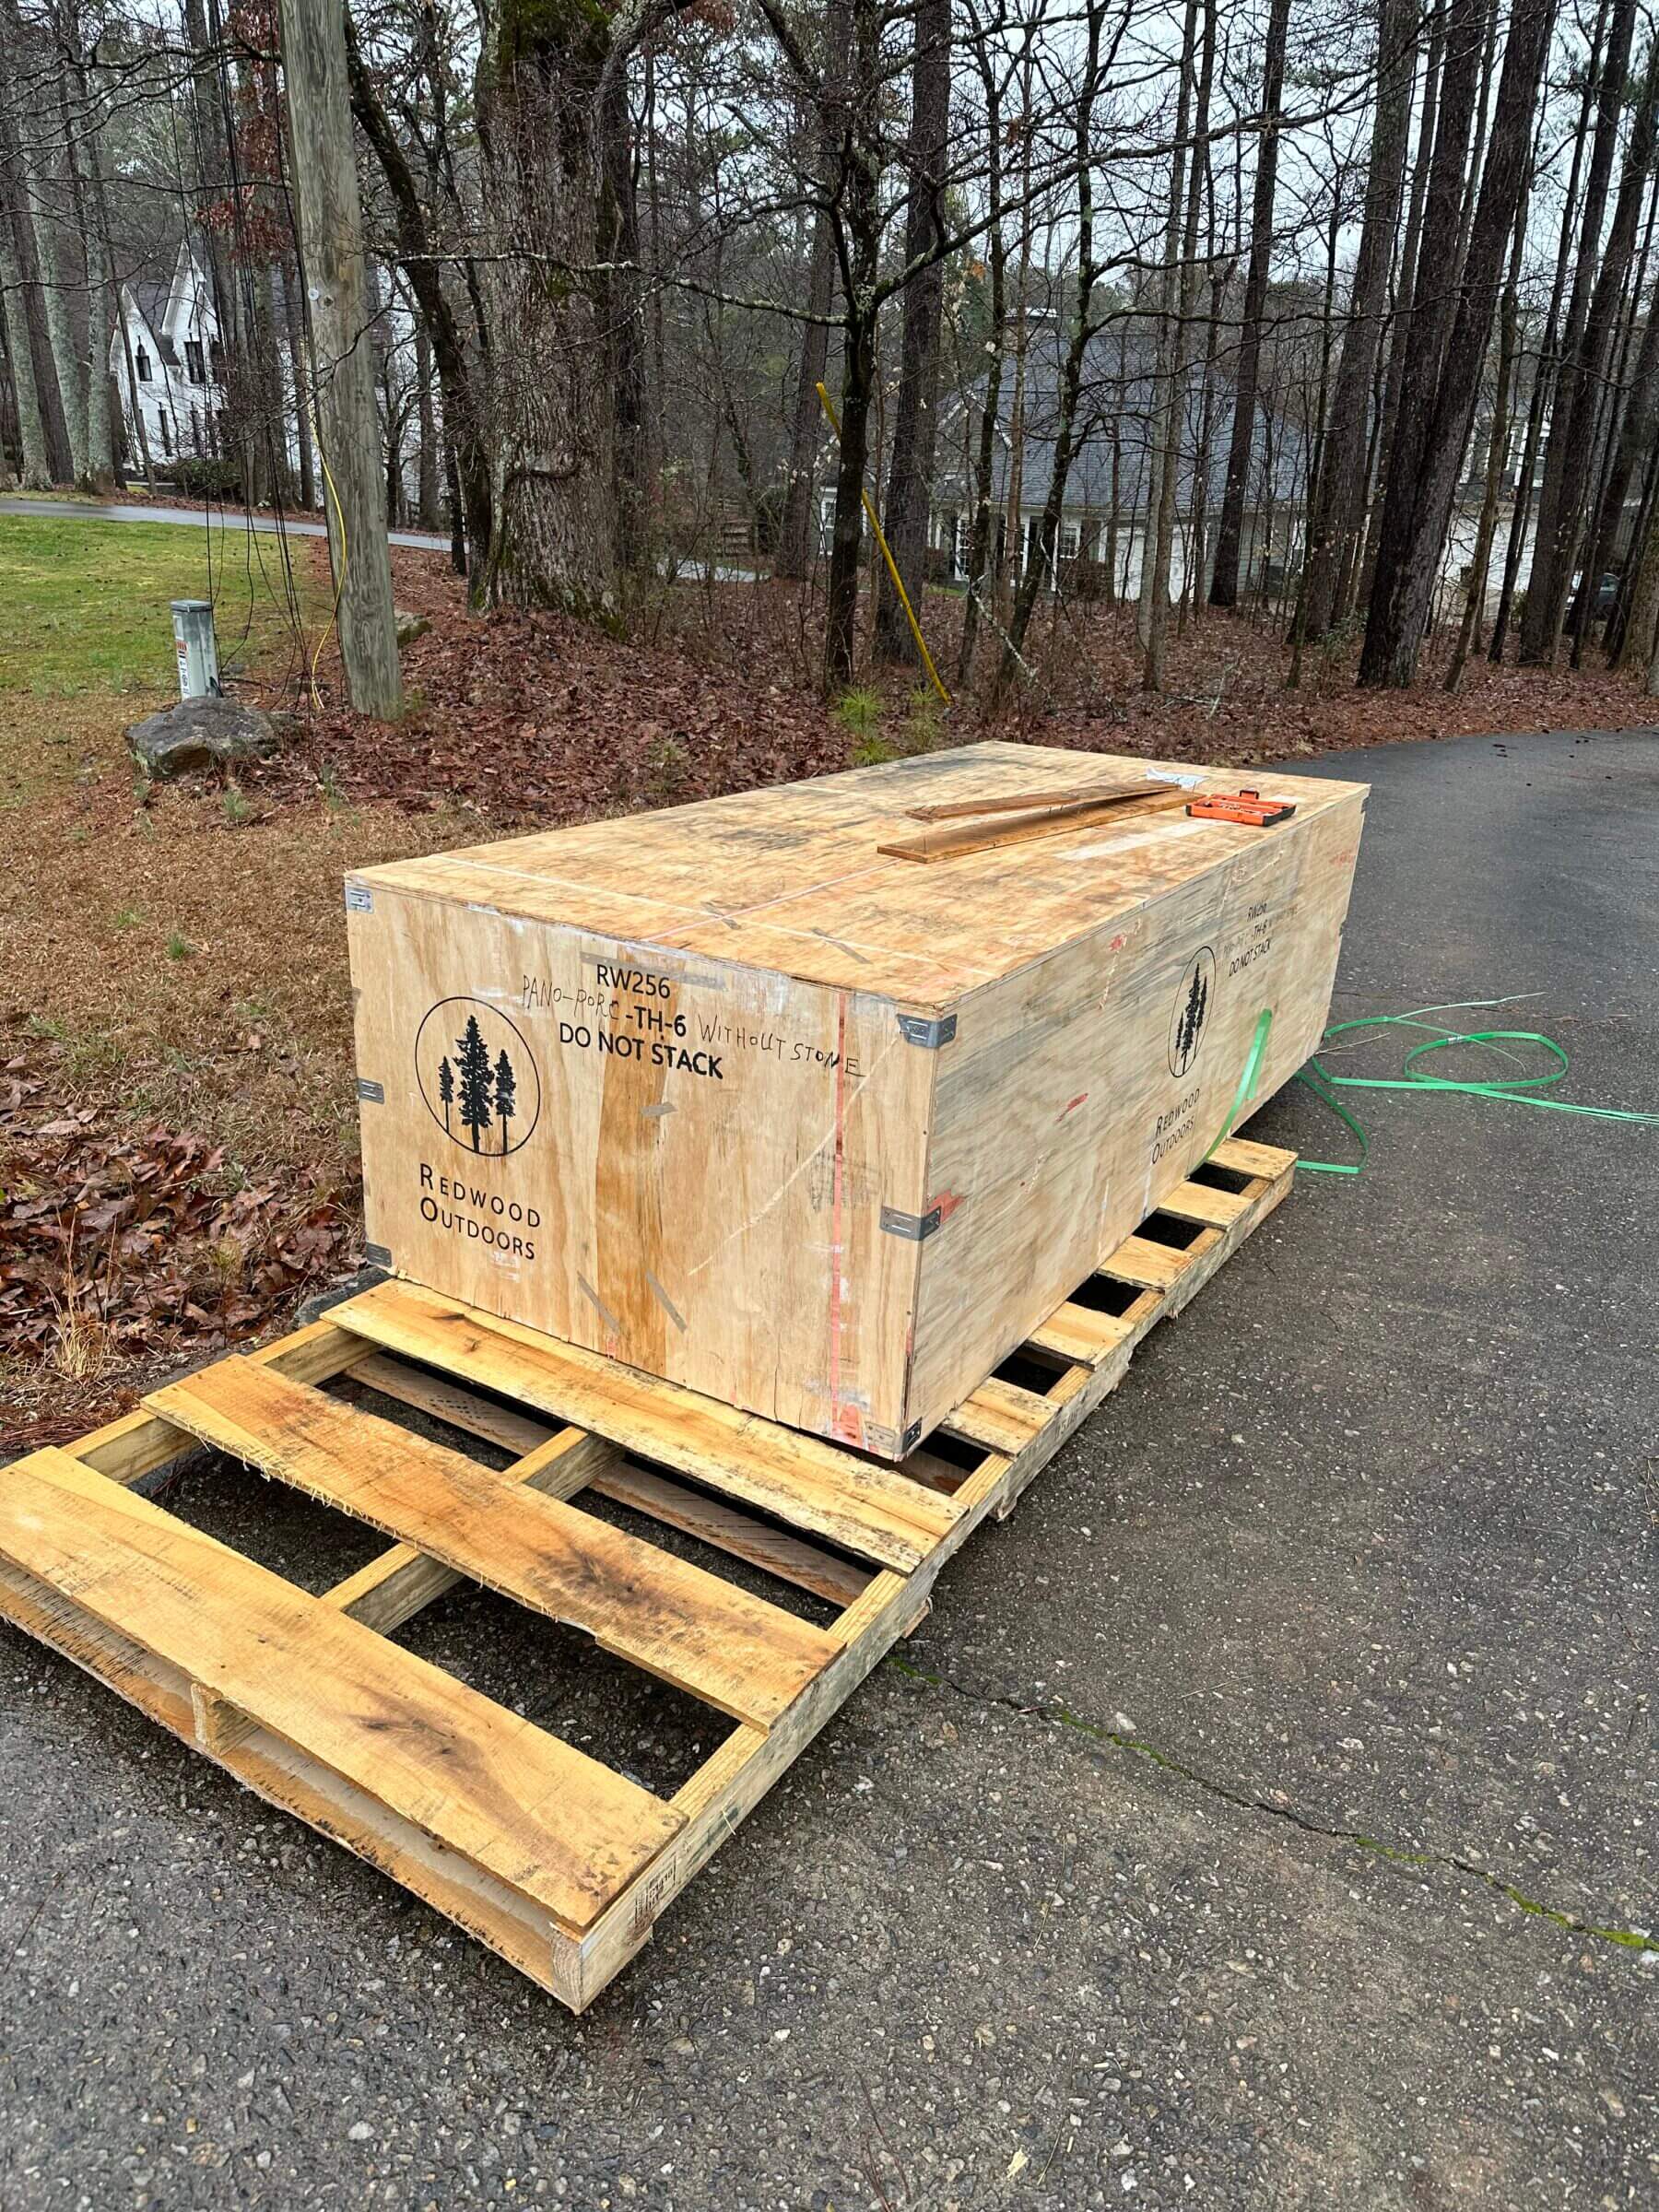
(543, 1818)
(867, 1509)
(542, 1851)
(748, 1658)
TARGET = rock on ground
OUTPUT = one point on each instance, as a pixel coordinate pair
(198, 732)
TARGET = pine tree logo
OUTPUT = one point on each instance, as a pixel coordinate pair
(506, 1088)
(477, 1077)
(1191, 1010)
(476, 1086)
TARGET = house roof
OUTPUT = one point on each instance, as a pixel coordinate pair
(1119, 395)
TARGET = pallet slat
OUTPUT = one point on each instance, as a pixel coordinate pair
(694, 1513)
(749, 1658)
(868, 1510)
(558, 1863)
(543, 1818)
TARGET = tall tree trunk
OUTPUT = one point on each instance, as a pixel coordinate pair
(425, 481)
(1551, 563)
(1165, 374)
(463, 409)
(911, 461)
(35, 474)
(1229, 531)
(1508, 320)
(807, 429)
(1621, 407)
(1193, 110)
(984, 459)
(1339, 518)
(795, 533)
(551, 408)
(853, 106)
(1354, 583)
(100, 303)
(1071, 377)
(1552, 576)
(1543, 372)
(1413, 539)
(294, 327)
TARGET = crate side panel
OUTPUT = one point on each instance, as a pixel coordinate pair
(691, 1170)
(1080, 1092)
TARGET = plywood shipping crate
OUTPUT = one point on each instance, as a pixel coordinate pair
(741, 1097)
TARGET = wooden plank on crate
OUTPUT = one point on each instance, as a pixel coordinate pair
(551, 1823)
(735, 1652)
(1243, 1155)
(694, 1513)
(1152, 1265)
(1000, 1416)
(868, 1510)
(1074, 1331)
(1200, 1202)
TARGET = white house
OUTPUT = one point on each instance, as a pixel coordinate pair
(174, 332)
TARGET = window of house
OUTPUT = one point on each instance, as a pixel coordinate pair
(195, 367)
(166, 437)
(1071, 540)
(141, 365)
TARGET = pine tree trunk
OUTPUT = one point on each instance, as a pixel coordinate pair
(1545, 369)
(1468, 633)
(1157, 605)
(1229, 531)
(1338, 501)
(1413, 540)
(1550, 583)
(910, 462)
(1551, 563)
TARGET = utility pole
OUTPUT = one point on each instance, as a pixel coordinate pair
(329, 222)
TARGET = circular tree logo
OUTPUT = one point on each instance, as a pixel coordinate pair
(1191, 1011)
(478, 1076)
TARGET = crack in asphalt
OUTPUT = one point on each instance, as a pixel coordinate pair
(1061, 1716)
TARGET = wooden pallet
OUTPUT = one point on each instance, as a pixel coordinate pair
(559, 1861)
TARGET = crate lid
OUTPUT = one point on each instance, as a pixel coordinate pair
(791, 878)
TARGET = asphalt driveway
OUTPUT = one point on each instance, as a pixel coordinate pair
(1264, 1816)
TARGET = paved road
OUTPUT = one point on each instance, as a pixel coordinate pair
(1364, 1545)
(232, 519)
(235, 519)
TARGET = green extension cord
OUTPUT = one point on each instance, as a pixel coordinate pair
(1514, 1090)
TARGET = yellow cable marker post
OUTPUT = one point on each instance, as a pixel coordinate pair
(869, 508)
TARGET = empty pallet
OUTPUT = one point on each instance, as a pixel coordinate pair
(554, 1858)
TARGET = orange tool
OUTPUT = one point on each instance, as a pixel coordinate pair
(1247, 806)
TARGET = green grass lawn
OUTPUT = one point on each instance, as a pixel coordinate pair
(85, 604)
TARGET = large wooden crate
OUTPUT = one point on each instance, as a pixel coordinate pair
(732, 1095)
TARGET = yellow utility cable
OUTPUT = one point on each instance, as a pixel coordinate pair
(340, 581)
(869, 508)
